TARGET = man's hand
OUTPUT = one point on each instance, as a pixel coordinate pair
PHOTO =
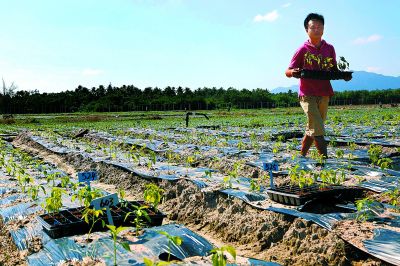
(296, 72)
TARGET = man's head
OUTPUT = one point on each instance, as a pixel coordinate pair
(314, 25)
(313, 16)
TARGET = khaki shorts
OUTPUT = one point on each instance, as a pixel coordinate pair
(316, 108)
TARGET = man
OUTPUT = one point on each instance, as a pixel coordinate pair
(314, 54)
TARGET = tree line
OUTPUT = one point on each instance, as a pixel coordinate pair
(130, 98)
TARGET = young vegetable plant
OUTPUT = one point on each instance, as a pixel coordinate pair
(394, 197)
(33, 191)
(374, 153)
(52, 177)
(171, 240)
(218, 257)
(254, 186)
(364, 209)
(92, 216)
(114, 234)
(342, 64)
(339, 153)
(384, 163)
(86, 194)
(54, 202)
(24, 180)
(300, 177)
(153, 195)
(140, 214)
(208, 173)
(227, 181)
(65, 181)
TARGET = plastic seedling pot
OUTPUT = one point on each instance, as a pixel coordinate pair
(60, 224)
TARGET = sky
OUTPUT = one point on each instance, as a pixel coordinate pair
(54, 46)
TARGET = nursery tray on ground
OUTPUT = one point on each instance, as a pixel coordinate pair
(71, 222)
(325, 75)
(294, 195)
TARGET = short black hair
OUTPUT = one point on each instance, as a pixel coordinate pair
(313, 16)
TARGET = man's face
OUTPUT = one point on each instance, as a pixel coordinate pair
(315, 29)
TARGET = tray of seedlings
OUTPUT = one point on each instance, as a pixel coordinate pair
(82, 220)
(295, 195)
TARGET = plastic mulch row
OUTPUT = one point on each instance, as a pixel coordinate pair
(70, 222)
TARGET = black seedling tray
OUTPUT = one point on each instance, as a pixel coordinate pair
(294, 195)
(70, 222)
(325, 75)
(61, 224)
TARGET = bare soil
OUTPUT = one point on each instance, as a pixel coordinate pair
(9, 253)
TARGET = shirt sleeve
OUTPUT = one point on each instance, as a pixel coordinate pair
(297, 59)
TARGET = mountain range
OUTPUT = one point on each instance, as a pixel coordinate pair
(362, 80)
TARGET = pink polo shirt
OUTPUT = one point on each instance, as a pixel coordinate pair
(324, 58)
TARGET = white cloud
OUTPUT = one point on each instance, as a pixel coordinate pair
(92, 72)
(287, 5)
(269, 17)
(365, 40)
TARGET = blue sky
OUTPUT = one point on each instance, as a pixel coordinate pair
(55, 46)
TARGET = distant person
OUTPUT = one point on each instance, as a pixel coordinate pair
(314, 54)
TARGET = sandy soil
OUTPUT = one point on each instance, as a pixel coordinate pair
(9, 253)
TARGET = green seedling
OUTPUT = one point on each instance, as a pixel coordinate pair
(140, 214)
(267, 136)
(394, 197)
(33, 191)
(384, 163)
(24, 180)
(218, 257)
(153, 195)
(339, 153)
(86, 194)
(54, 202)
(208, 173)
(92, 216)
(374, 153)
(300, 177)
(281, 138)
(234, 173)
(241, 145)
(122, 196)
(52, 177)
(276, 147)
(342, 64)
(171, 240)
(190, 160)
(114, 234)
(153, 157)
(65, 181)
(227, 181)
(332, 177)
(364, 209)
(254, 186)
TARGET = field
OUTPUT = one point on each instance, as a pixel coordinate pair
(211, 181)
